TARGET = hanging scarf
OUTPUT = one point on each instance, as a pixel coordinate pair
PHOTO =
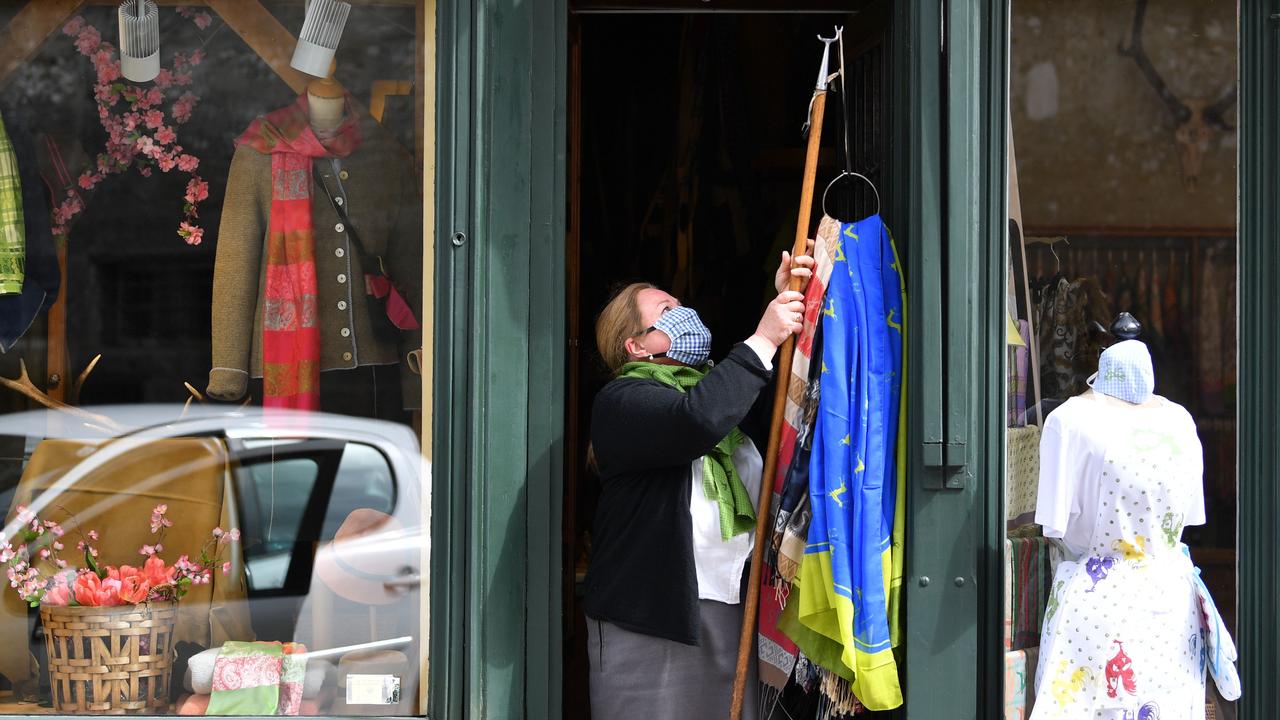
(840, 610)
(720, 479)
(290, 331)
(779, 658)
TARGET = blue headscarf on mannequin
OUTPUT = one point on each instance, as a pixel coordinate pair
(1125, 372)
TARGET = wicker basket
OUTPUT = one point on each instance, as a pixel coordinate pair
(110, 660)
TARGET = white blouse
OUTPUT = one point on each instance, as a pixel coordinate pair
(720, 563)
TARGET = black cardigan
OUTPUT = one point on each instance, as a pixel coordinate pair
(646, 436)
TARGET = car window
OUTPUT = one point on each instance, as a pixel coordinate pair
(284, 484)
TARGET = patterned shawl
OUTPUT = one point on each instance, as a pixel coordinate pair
(847, 660)
(290, 332)
(258, 678)
(778, 654)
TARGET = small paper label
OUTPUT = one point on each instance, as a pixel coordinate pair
(373, 689)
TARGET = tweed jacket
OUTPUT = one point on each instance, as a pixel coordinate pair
(377, 188)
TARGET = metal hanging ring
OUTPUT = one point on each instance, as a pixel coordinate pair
(843, 174)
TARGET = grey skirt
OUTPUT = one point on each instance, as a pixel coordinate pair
(641, 677)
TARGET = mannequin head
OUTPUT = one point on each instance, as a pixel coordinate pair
(1125, 372)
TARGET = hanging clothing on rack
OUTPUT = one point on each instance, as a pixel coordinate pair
(13, 231)
(1209, 325)
(1069, 343)
(839, 610)
(41, 274)
(1019, 380)
(831, 587)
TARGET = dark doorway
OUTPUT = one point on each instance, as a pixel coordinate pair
(686, 154)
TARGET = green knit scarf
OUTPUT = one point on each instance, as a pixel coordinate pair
(720, 479)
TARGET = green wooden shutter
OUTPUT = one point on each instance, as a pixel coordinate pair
(1258, 537)
(495, 650)
(950, 217)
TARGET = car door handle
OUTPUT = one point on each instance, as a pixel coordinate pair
(404, 581)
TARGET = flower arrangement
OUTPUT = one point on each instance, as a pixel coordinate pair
(42, 543)
(142, 131)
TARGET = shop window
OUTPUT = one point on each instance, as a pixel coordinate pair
(210, 455)
(1121, 505)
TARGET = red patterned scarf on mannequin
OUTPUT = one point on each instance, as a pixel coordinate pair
(290, 332)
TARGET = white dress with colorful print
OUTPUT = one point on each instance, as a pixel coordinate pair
(1122, 631)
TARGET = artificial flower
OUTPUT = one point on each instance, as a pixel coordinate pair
(133, 590)
(57, 595)
(156, 573)
(95, 592)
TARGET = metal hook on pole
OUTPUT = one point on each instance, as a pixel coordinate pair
(826, 57)
(820, 88)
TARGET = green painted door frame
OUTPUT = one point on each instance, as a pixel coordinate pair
(495, 636)
(500, 151)
(1258, 458)
(949, 110)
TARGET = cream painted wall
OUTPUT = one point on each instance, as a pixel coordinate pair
(1095, 145)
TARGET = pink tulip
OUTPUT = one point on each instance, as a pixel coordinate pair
(57, 595)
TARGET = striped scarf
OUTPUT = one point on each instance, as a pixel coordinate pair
(290, 331)
(778, 654)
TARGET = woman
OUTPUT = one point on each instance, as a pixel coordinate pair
(674, 528)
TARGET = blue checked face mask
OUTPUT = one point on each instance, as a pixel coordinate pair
(690, 339)
(1124, 371)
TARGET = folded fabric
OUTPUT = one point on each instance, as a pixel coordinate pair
(199, 676)
(1219, 649)
(1015, 685)
(293, 675)
(258, 678)
(192, 704)
(1019, 674)
(246, 679)
(1008, 594)
(198, 704)
(1031, 583)
(1023, 477)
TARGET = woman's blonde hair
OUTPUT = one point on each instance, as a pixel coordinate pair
(619, 320)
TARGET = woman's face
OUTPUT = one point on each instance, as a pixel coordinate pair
(652, 303)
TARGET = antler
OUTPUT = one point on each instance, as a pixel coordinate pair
(1180, 111)
(196, 395)
(74, 390)
(24, 385)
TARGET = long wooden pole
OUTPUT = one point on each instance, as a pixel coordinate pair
(763, 514)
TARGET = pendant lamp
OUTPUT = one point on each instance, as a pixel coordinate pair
(318, 41)
(139, 40)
